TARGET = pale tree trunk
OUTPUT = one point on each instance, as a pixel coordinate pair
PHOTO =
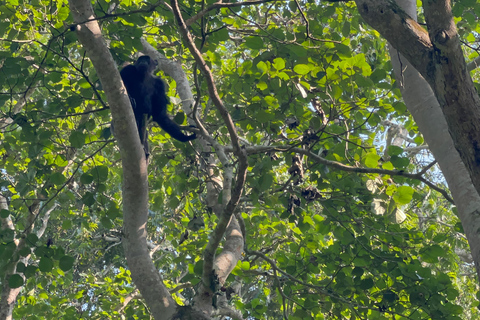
(135, 187)
(8, 295)
(437, 55)
(425, 109)
(234, 241)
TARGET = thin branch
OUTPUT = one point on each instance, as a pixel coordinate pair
(279, 287)
(472, 65)
(219, 5)
(45, 219)
(424, 170)
(234, 197)
(127, 299)
(149, 9)
(67, 182)
(319, 289)
(212, 88)
(180, 287)
(344, 167)
(341, 166)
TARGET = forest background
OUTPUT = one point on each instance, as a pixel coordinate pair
(334, 177)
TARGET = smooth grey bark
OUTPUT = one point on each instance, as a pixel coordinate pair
(224, 262)
(135, 186)
(8, 296)
(438, 56)
(425, 109)
(232, 189)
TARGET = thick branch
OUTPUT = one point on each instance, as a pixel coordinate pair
(453, 86)
(9, 295)
(135, 187)
(400, 30)
(231, 253)
(233, 197)
(439, 58)
(472, 65)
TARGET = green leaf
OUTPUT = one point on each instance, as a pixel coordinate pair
(346, 238)
(57, 178)
(88, 199)
(308, 220)
(439, 238)
(264, 116)
(62, 13)
(419, 140)
(468, 3)
(366, 284)
(86, 178)
(43, 295)
(279, 63)
(180, 117)
(99, 173)
(30, 271)
(20, 267)
(4, 213)
(388, 166)
(400, 162)
(262, 85)
(403, 195)
(262, 66)
(302, 69)
(364, 81)
(24, 252)
(357, 272)
(459, 227)
(346, 29)
(60, 161)
(245, 265)
(15, 281)
(432, 253)
(66, 263)
(31, 239)
(221, 35)
(83, 83)
(66, 224)
(198, 269)
(106, 223)
(77, 139)
(394, 150)
(389, 296)
(378, 75)
(45, 264)
(255, 43)
(371, 160)
(265, 182)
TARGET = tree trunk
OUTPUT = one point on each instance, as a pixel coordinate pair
(425, 109)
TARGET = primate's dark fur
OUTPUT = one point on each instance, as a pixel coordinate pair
(148, 98)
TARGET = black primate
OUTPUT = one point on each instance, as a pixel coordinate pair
(148, 98)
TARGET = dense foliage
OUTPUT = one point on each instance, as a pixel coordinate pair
(310, 88)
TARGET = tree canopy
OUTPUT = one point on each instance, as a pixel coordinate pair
(311, 193)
